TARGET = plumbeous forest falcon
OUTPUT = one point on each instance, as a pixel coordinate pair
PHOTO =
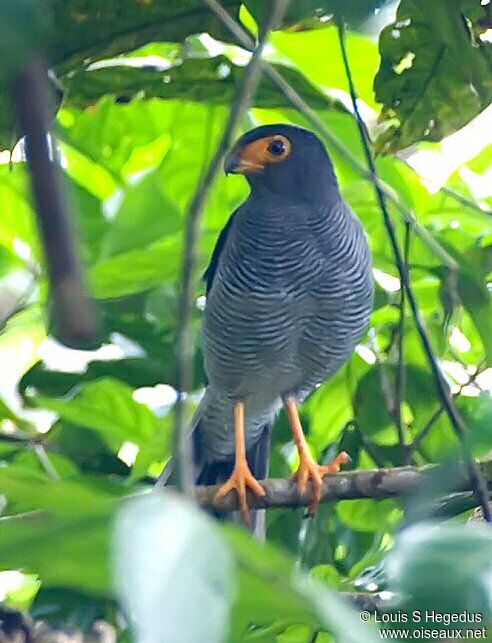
(289, 296)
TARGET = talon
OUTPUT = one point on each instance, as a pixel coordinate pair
(241, 478)
(311, 471)
(334, 466)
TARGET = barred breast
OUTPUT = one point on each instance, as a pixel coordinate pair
(291, 298)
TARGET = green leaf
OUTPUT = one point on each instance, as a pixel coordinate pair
(477, 413)
(23, 26)
(6, 413)
(134, 371)
(329, 409)
(435, 71)
(313, 13)
(90, 223)
(145, 215)
(19, 341)
(106, 406)
(125, 27)
(18, 221)
(371, 411)
(209, 80)
(136, 270)
(86, 448)
(67, 516)
(28, 543)
(307, 50)
(270, 591)
(477, 300)
(368, 514)
(327, 574)
(121, 139)
(157, 449)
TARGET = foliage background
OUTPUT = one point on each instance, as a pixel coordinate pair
(147, 89)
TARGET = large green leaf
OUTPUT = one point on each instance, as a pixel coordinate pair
(74, 34)
(136, 270)
(316, 54)
(28, 543)
(211, 80)
(435, 70)
(18, 220)
(23, 25)
(145, 215)
(106, 406)
(69, 517)
(368, 514)
(98, 29)
(270, 590)
(370, 405)
(134, 371)
(313, 13)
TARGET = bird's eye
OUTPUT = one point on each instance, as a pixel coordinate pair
(277, 147)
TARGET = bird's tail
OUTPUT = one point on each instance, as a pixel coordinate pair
(209, 472)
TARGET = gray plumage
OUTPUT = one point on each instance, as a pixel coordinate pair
(290, 295)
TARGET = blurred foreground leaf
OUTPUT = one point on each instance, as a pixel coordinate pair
(428, 565)
(174, 571)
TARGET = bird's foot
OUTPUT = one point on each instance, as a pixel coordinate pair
(310, 471)
(241, 478)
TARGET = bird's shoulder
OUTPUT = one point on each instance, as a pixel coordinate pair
(209, 274)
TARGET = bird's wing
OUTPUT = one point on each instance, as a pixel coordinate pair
(209, 273)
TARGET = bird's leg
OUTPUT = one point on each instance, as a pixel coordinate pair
(241, 477)
(309, 469)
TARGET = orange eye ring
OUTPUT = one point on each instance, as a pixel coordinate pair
(254, 156)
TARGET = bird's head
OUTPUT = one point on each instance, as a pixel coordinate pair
(283, 159)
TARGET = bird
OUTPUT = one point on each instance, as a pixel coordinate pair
(289, 295)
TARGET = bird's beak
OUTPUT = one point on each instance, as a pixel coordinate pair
(237, 162)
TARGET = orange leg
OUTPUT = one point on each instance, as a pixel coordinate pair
(309, 469)
(241, 477)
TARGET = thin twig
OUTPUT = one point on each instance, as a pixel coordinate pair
(300, 104)
(384, 379)
(46, 463)
(425, 432)
(400, 373)
(435, 416)
(348, 485)
(478, 484)
(369, 446)
(21, 438)
(367, 443)
(461, 198)
(243, 99)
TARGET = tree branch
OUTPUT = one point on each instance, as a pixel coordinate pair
(478, 485)
(74, 312)
(461, 198)
(348, 485)
(400, 373)
(193, 228)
